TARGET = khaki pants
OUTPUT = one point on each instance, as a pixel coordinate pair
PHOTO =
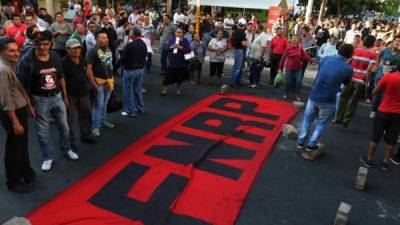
(349, 98)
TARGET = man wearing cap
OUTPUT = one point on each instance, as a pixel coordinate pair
(41, 75)
(239, 44)
(133, 60)
(77, 83)
(14, 108)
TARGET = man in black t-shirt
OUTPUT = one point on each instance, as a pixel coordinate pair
(100, 72)
(41, 74)
(77, 82)
(239, 44)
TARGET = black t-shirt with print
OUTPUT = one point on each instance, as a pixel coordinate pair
(101, 62)
(46, 76)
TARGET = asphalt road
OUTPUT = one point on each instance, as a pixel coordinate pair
(288, 190)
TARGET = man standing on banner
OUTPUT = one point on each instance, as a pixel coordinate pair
(14, 108)
(239, 44)
(42, 76)
(78, 92)
(100, 73)
(278, 45)
(333, 72)
(133, 60)
(363, 61)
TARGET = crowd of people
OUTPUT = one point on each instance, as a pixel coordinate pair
(52, 70)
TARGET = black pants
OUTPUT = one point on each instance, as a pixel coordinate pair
(196, 68)
(304, 68)
(216, 68)
(83, 106)
(149, 61)
(275, 60)
(18, 167)
(175, 75)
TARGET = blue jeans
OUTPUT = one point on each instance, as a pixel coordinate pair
(323, 112)
(164, 59)
(293, 81)
(99, 107)
(132, 91)
(45, 108)
(255, 71)
(238, 56)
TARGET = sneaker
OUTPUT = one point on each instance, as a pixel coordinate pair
(96, 132)
(366, 162)
(300, 146)
(395, 160)
(253, 85)
(372, 115)
(285, 97)
(108, 125)
(298, 99)
(72, 155)
(385, 166)
(126, 115)
(311, 148)
(46, 165)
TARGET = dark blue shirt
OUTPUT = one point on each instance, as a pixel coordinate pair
(332, 73)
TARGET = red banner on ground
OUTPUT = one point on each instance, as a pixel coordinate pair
(195, 169)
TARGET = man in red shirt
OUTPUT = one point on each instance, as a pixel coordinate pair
(17, 31)
(278, 45)
(363, 61)
(387, 119)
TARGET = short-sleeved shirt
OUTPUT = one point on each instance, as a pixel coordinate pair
(12, 94)
(259, 42)
(362, 59)
(75, 77)
(217, 44)
(101, 61)
(147, 31)
(237, 37)
(332, 73)
(18, 33)
(391, 94)
(388, 62)
(46, 76)
(60, 40)
(167, 34)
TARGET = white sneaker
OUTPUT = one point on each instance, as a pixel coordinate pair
(108, 125)
(128, 114)
(372, 115)
(46, 165)
(96, 132)
(72, 155)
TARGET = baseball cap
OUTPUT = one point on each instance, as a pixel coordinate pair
(72, 43)
(240, 23)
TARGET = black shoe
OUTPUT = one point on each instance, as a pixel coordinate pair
(345, 125)
(88, 140)
(366, 162)
(385, 166)
(395, 160)
(21, 188)
(311, 149)
(300, 146)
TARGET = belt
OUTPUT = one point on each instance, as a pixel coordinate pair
(48, 94)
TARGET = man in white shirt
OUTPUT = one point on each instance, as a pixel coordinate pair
(350, 34)
(258, 49)
(90, 39)
(228, 22)
(134, 17)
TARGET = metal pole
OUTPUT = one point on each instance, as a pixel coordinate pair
(322, 10)
(309, 11)
(198, 16)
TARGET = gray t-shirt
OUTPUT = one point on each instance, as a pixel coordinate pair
(168, 33)
(60, 40)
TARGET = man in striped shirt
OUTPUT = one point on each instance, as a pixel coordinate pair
(364, 59)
